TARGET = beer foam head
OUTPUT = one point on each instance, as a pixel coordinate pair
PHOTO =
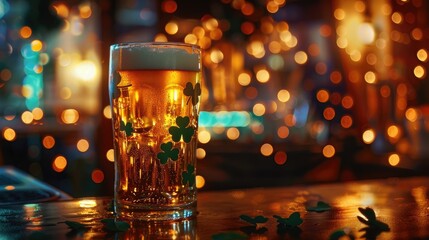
(155, 56)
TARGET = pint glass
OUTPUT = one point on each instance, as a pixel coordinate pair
(154, 91)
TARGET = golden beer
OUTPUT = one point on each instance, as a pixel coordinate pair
(155, 120)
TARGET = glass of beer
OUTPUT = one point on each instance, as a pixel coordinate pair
(154, 91)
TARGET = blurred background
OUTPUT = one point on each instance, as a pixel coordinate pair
(295, 91)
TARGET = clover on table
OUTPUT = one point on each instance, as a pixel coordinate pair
(168, 152)
(182, 130)
(257, 221)
(293, 221)
(189, 175)
(320, 207)
(127, 127)
(371, 220)
(192, 92)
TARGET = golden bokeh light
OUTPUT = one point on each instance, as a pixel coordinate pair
(82, 145)
(283, 95)
(9, 134)
(394, 159)
(266, 149)
(262, 76)
(244, 79)
(259, 109)
(201, 153)
(422, 55)
(171, 28)
(204, 136)
(283, 132)
(393, 131)
(199, 181)
(396, 17)
(25, 32)
(107, 112)
(328, 151)
(59, 163)
(85, 10)
(322, 95)
(69, 116)
(300, 57)
(411, 114)
(27, 117)
(216, 56)
(36, 45)
(370, 77)
(48, 142)
(368, 136)
(110, 155)
(233, 133)
(37, 113)
(339, 14)
(419, 71)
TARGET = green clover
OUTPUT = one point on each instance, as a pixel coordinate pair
(112, 225)
(128, 128)
(181, 130)
(189, 176)
(320, 207)
(294, 220)
(254, 220)
(77, 226)
(371, 220)
(192, 92)
(168, 153)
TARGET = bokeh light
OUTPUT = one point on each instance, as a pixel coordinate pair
(266, 149)
(97, 176)
(59, 163)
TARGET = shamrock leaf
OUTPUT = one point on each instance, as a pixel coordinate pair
(76, 225)
(254, 220)
(192, 92)
(341, 233)
(371, 220)
(181, 130)
(112, 225)
(291, 222)
(189, 176)
(320, 207)
(128, 128)
(228, 236)
(168, 153)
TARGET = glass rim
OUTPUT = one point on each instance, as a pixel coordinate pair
(147, 44)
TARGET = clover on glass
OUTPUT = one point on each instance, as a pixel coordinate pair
(182, 130)
(189, 175)
(127, 127)
(168, 152)
(192, 92)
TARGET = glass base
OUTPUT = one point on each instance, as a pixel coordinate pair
(145, 213)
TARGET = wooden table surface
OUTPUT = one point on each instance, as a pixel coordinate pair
(401, 203)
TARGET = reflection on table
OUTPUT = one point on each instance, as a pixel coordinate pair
(400, 203)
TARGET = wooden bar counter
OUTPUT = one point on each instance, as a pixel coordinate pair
(401, 203)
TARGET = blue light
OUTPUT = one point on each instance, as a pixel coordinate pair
(4, 8)
(224, 119)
